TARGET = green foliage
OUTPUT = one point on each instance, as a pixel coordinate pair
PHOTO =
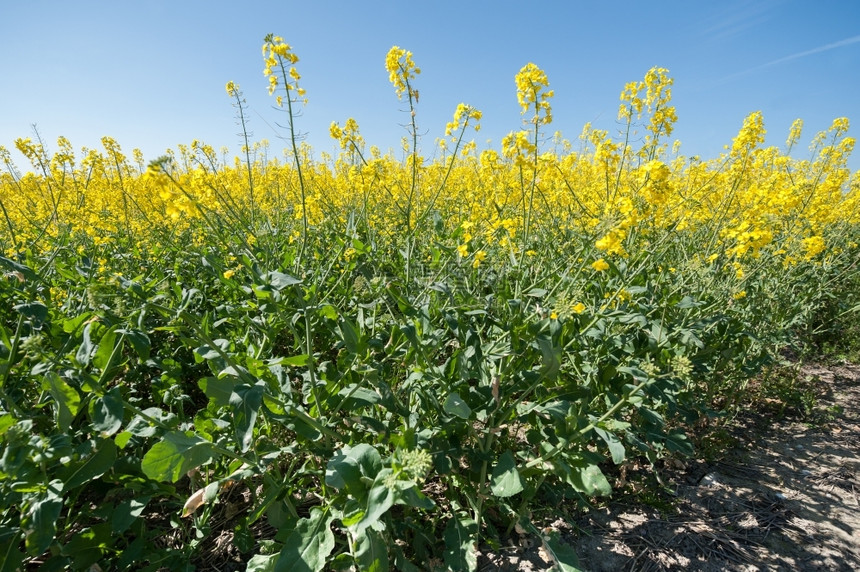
(385, 409)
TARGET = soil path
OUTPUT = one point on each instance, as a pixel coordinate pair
(786, 497)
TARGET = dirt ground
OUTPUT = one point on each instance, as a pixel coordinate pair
(785, 496)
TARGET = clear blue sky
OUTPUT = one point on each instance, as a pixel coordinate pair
(151, 73)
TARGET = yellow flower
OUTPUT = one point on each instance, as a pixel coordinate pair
(579, 308)
(479, 258)
(600, 265)
(532, 93)
(229, 273)
(401, 69)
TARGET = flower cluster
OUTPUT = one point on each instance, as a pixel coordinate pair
(401, 71)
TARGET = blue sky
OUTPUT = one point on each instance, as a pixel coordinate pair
(152, 74)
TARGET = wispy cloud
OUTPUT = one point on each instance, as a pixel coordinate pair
(792, 57)
(738, 17)
(818, 50)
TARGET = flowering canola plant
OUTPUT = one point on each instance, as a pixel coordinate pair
(498, 320)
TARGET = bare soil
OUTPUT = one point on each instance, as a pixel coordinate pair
(784, 496)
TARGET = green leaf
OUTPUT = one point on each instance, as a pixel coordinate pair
(455, 405)
(107, 412)
(297, 361)
(371, 551)
(461, 535)
(360, 395)
(505, 480)
(39, 522)
(86, 546)
(176, 454)
(219, 390)
(279, 280)
(25, 271)
(262, 563)
(85, 351)
(328, 311)
(380, 498)
(564, 556)
(351, 336)
(207, 352)
(590, 480)
(10, 557)
(551, 358)
(92, 467)
(616, 449)
(354, 468)
(35, 312)
(586, 479)
(678, 442)
(126, 512)
(246, 403)
(67, 402)
(139, 341)
(6, 421)
(306, 549)
(102, 357)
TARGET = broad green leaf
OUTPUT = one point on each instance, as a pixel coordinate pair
(678, 442)
(10, 557)
(455, 405)
(35, 312)
(565, 558)
(412, 496)
(505, 480)
(126, 512)
(297, 361)
(6, 421)
(361, 395)
(658, 334)
(217, 389)
(72, 324)
(39, 522)
(207, 352)
(353, 468)
(67, 402)
(590, 480)
(551, 358)
(351, 336)
(328, 311)
(371, 551)
(616, 449)
(25, 271)
(85, 350)
(262, 563)
(139, 341)
(107, 411)
(306, 549)
(586, 479)
(85, 547)
(279, 280)
(246, 403)
(461, 535)
(102, 357)
(176, 454)
(380, 498)
(92, 467)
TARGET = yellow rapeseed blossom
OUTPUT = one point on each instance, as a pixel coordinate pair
(533, 95)
(600, 265)
(401, 70)
(479, 258)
